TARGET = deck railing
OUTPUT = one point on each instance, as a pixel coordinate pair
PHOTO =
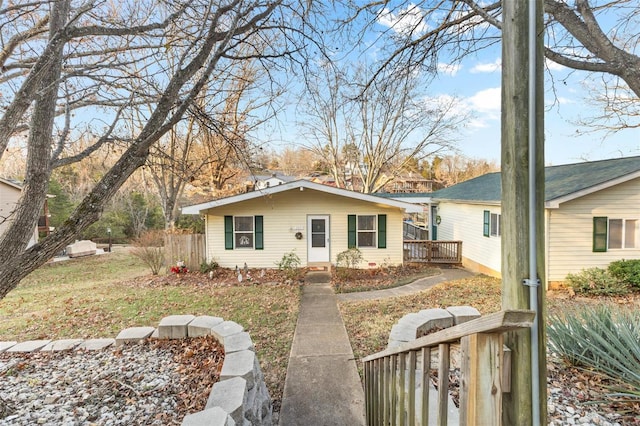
(413, 232)
(397, 380)
(433, 251)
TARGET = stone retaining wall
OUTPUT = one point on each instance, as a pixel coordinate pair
(240, 397)
(415, 325)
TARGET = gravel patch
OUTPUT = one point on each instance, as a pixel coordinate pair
(140, 384)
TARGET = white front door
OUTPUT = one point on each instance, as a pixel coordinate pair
(318, 238)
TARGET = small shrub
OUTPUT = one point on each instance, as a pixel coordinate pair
(627, 271)
(347, 261)
(604, 339)
(290, 263)
(349, 258)
(206, 267)
(596, 282)
(149, 248)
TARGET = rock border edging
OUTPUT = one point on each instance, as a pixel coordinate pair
(239, 397)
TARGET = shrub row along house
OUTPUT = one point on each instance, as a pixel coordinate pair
(592, 217)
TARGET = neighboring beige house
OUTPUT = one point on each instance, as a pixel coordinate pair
(592, 217)
(314, 221)
(9, 195)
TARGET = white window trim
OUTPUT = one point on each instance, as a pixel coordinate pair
(373, 231)
(253, 233)
(623, 231)
(498, 219)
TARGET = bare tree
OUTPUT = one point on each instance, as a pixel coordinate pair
(600, 38)
(67, 60)
(370, 133)
(449, 170)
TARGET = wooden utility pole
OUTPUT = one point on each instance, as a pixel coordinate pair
(518, 404)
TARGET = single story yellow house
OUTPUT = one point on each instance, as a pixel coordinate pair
(314, 221)
(592, 217)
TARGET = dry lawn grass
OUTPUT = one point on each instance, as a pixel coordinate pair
(100, 295)
(368, 323)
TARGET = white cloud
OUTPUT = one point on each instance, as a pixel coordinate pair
(553, 66)
(486, 101)
(449, 69)
(406, 21)
(487, 67)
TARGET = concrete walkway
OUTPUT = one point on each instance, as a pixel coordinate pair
(322, 387)
(448, 274)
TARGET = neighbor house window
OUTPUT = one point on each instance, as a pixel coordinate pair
(496, 225)
(367, 231)
(614, 234)
(243, 232)
(491, 224)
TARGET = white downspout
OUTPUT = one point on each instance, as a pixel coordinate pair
(533, 281)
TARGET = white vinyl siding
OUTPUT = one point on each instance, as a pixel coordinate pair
(570, 230)
(465, 222)
(285, 214)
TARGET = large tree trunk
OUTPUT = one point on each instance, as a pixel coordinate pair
(15, 263)
(25, 216)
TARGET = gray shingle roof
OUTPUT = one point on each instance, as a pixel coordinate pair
(560, 181)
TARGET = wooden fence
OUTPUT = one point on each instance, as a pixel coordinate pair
(433, 251)
(188, 248)
(397, 380)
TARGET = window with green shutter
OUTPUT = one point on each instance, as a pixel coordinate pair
(228, 232)
(367, 231)
(259, 239)
(600, 234)
(486, 225)
(382, 231)
(243, 232)
(351, 231)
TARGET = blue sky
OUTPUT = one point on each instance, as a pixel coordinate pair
(476, 82)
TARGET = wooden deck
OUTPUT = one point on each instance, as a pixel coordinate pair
(433, 251)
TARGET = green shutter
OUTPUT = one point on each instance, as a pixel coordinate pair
(600, 233)
(228, 232)
(351, 231)
(486, 225)
(382, 231)
(259, 237)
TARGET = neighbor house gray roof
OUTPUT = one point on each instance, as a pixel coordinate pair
(562, 183)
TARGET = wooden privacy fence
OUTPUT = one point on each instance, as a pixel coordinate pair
(433, 251)
(397, 379)
(188, 248)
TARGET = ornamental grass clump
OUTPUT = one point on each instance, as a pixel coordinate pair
(605, 339)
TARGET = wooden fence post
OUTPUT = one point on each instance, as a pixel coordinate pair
(481, 387)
